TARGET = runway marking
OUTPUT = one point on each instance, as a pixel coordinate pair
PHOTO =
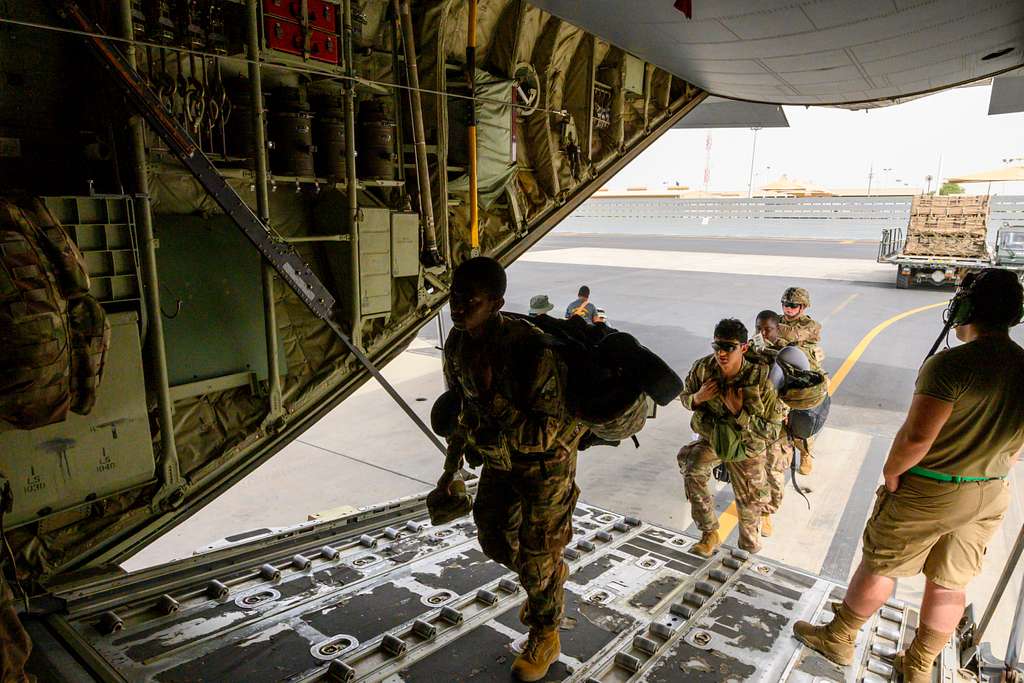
(846, 242)
(862, 345)
(845, 302)
(730, 517)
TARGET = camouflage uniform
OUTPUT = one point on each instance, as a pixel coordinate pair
(780, 452)
(55, 334)
(15, 644)
(801, 331)
(514, 418)
(758, 421)
(804, 333)
(780, 455)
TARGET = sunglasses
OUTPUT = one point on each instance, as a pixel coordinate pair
(726, 346)
(790, 304)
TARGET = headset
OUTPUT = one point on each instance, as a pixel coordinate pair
(961, 309)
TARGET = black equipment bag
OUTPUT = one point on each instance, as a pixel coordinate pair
(803, 424)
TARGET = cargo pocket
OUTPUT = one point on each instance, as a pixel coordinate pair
(882, 497)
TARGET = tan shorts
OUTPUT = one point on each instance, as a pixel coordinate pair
(940, 528)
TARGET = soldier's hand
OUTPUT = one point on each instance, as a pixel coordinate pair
(707, 391)
(445, 482)
(733, 399)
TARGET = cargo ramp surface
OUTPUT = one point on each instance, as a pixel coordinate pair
(383, 595)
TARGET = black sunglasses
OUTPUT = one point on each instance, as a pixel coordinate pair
(790, 304)
(726, 346)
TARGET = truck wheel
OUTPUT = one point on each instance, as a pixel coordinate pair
(904, 281)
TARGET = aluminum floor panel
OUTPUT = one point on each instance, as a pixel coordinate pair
(413, 602)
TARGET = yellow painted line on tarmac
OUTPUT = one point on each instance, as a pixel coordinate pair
(846, 242)
(730, 517)
(862, 345)
(728, 521)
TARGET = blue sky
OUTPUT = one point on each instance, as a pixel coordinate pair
(837, 148)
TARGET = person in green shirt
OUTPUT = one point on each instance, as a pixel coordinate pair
(945, 491)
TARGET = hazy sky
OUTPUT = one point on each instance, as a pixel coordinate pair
(836, 147)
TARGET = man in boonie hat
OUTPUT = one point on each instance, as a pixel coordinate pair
(540, 304)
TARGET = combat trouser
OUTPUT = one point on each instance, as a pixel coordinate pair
(524, 521)
(805, 446)
(779, 458)
(749, 484)
(15, 645)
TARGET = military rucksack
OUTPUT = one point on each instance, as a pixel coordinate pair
(53, 332)
(801, 389)
(805, 391)
(610, 374)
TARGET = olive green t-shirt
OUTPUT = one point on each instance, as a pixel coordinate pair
(984, 380)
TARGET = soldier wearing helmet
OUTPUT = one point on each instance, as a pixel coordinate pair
(798, 329)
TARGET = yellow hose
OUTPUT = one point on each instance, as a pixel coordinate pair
(474, 212)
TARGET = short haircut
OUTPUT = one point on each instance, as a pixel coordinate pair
(584, 291)
(481, 272)
(768, 315)
(996, 298)
(732, 329)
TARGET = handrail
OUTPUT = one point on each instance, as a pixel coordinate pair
(1004, 581)
(890, 244)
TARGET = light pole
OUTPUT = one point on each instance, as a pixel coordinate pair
(928, 179)
(767, 172)
(753, 150)
(871, 174)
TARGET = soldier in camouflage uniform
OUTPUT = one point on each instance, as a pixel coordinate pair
(777, 461)
(737, 414)
(514, 418)
(798, 328)
(780, 451)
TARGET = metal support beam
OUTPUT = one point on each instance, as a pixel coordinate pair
(352, 186)
(169, 467)
(430, 255)
(263, 204)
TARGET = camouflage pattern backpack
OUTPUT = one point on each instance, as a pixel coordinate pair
(53, 332)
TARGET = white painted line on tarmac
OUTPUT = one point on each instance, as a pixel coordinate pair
(812, 267)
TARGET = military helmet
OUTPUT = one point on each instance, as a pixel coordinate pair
(797, 295)
(444, 507)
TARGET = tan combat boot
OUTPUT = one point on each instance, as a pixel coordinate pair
(916, 663)
(806, 464)
(541, 651)
(766, 525)
(835, 640)
(708, 543)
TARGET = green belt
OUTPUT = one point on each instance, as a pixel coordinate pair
(940, 476)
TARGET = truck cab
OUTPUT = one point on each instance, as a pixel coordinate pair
(1009, 251)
